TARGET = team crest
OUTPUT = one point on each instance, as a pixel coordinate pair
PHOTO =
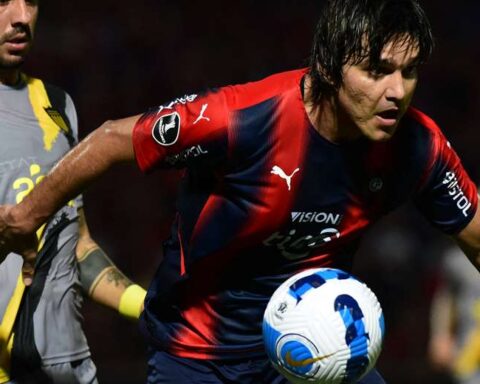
(58, 119)
(167, 129)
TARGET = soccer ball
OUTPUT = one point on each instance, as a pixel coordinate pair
(323, 326)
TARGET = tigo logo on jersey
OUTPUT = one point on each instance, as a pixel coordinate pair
(294, 246)
(167, 129)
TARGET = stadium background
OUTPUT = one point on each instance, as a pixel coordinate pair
(116, 58)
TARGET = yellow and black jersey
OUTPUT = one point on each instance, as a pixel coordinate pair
(38, 125)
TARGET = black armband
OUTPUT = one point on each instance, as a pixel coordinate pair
(91, 266)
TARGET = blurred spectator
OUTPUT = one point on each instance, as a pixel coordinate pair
(454, 344)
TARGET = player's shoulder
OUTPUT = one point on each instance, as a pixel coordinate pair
(422, 130)
(55, 101)
(419, 136)
(54, 92)
(245, 95)
(416, 118)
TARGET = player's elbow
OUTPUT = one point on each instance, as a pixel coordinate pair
(115, 138)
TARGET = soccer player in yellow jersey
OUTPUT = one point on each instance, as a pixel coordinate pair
(41, 336)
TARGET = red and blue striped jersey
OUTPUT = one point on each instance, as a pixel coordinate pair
(264, 196)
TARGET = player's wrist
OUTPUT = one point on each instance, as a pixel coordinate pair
(131, 302)
(21, 220)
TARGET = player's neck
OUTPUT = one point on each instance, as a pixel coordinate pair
(9, 76)
(326, 117)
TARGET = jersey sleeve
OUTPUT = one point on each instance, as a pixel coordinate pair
(190, 129)
(448, 197)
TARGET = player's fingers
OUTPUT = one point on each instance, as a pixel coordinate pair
(27, 273)
(28, 268)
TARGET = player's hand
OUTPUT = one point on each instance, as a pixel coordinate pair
(441, 352)
(13, 239)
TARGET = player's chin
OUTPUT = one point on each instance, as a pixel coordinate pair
(384, 136)
(12, 61)
(13, 64)
(382, 132)
(379, 135)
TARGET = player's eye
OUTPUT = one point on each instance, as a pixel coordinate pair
(379, 71)
(410, 72)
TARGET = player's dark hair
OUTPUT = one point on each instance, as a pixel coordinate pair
(350, 31)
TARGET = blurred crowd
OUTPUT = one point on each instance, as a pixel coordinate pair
(118, 58)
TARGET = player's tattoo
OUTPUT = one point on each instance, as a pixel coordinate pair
(118, 278)
(94, 266)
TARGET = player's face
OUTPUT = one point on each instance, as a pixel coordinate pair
(17, 24)
(371, 102)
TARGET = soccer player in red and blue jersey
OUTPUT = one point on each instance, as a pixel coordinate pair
(282, 174)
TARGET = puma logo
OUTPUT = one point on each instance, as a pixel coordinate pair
(201, 117)
(276, 170)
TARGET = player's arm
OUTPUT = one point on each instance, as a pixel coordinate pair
(469, 239)
(441, 344)
(102, 280)
(109, 144)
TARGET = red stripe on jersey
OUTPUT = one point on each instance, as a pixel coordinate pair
(289, 137)
(203, 119)
(355, 220)
(245, 95)
(146, 150)
(199, 122)
(428, 123)
(287, 150)
(180, 241)
(198, 336)
(199, 314)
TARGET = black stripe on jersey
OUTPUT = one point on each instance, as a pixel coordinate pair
(26, 361)
(58, 112)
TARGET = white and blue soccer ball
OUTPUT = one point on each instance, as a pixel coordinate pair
(323, 326)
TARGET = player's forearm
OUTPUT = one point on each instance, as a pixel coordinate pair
(101, 279)
(107, 285)
(442, 313)
(469, 239)
(114, 290)
(109, 144)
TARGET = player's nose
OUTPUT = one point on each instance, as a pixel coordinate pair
(395, 86)
(20, 13)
